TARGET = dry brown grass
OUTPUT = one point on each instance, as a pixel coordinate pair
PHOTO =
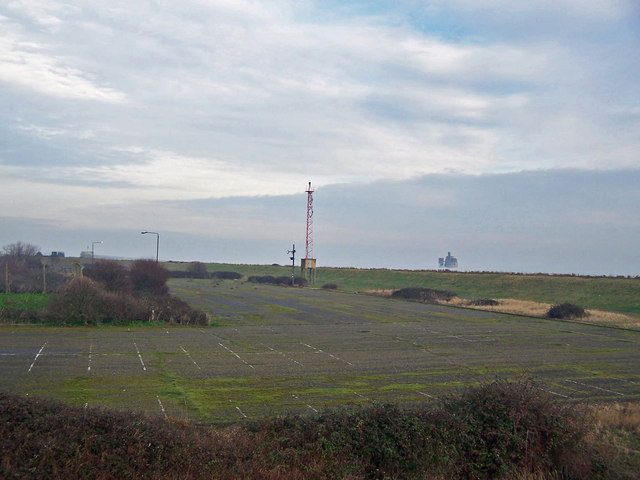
(538, 309)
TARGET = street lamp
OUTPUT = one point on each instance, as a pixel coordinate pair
(157, 242)
(92, 249)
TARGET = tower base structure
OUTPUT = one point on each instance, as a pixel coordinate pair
(308, 269)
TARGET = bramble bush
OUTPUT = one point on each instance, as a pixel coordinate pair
(494, 431)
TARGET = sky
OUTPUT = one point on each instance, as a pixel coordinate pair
(505, 132)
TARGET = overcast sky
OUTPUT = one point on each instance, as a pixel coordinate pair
(506, 132)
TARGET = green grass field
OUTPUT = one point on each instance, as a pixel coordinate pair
(24, 301)
(605, 293)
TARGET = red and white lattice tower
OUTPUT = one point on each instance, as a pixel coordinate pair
(308, 263)
(309, 244)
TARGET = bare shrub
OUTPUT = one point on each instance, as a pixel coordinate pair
(330, 286)
(566, 311)
(113, 276)
(147, 277)
(80, 302)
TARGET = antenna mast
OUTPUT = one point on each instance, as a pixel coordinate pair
(309, 246)
(308, 263)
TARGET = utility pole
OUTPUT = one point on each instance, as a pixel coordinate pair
(293, 263)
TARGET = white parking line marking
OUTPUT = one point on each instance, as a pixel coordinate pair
(239, 357)
(426, 394)
(37, 355)
(90, 352)
(317, 350)
(161, 407)
(140, 357)
(241, 412)
(190, 358)
(597, 388)
(284, 355)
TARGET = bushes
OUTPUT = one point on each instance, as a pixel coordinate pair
(227, 275)
(428, 295)
(283, 280)
(566, 311)
(197, 270)
(147, 277)
(113, 276)
(497, 430)
(119, 296)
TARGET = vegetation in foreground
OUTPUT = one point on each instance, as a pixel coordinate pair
(497, 430)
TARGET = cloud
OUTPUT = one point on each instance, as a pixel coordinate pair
(30, 65)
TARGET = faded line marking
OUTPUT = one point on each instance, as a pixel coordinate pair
(140, 357)
(239, 357)
(317, 350)
(190, 358)
(306, 404)
(426, 394)
(284, 355)
(90, 352)
(161, 407)
(37, 355)
(593, 386)
(241, 412)
(554, 393)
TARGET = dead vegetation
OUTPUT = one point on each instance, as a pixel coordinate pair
(533, 309)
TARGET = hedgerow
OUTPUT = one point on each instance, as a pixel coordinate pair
(497, 430)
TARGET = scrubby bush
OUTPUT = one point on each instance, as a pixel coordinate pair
(497, 430)
(113, 276)
(148, 277)
(174, 310)
(566, 311)
(428, 295)
(80, 302)
(227, 275)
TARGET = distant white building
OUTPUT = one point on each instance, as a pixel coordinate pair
(448, 261)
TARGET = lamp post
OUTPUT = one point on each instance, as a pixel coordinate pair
(92, 249)
(157, 242)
